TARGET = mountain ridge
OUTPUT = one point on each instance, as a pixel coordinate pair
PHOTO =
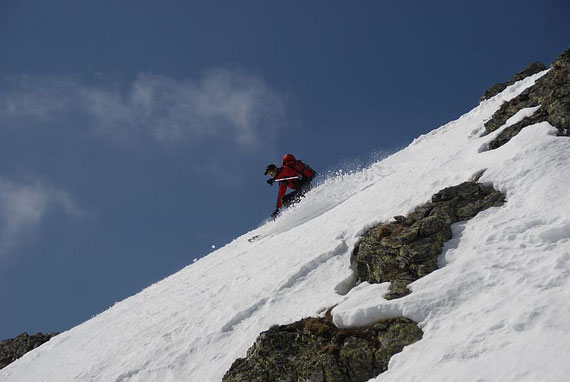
(195, 323)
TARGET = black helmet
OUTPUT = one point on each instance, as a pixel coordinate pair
(270, 167)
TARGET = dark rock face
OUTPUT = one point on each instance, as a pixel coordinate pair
(551, 92)
(14, 348)
(315, 350)
(499, 87)
(403, 251)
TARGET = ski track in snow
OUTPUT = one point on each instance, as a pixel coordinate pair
(295, 278)
(313, 265)
(496, 310)
(240, 316)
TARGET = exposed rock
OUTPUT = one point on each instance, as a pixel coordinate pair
(313, 349)
(551, 92)
(504, 136)
(13, 348)
(403, 251)
(495, 89)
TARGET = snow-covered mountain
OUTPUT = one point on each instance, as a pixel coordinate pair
(496, 309)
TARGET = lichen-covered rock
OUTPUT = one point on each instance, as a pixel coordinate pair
(403, 251)
(14, 348)
(313, 349)
(551, 92)
(495, 89)
(393, 338)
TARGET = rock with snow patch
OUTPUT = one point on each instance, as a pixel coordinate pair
(551, 92)
(403, 251)
(313, 349)
(14, 348)
(495, 89)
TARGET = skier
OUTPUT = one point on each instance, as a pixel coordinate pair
(292, 174)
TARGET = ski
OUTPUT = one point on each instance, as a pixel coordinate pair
(254, 238)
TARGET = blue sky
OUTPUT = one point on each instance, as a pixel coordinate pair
(134, 134)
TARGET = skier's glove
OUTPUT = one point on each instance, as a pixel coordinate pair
(270, 181)
(275, 213)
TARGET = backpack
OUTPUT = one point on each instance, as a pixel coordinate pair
(304, 169)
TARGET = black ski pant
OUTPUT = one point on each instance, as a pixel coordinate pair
(302, 187)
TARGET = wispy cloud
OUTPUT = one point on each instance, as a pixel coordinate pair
(223, 103)
(23, 208)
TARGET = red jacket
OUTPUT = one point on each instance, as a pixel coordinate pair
(285, 172)
(290, 166)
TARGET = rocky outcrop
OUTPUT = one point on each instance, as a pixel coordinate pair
(13, 348)
(315, 350)
(403, 251)
(495, 89)
(551, 92)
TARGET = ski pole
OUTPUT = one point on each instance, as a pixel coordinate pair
(289, 178)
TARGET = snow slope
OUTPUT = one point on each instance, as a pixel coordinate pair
(496, 310)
